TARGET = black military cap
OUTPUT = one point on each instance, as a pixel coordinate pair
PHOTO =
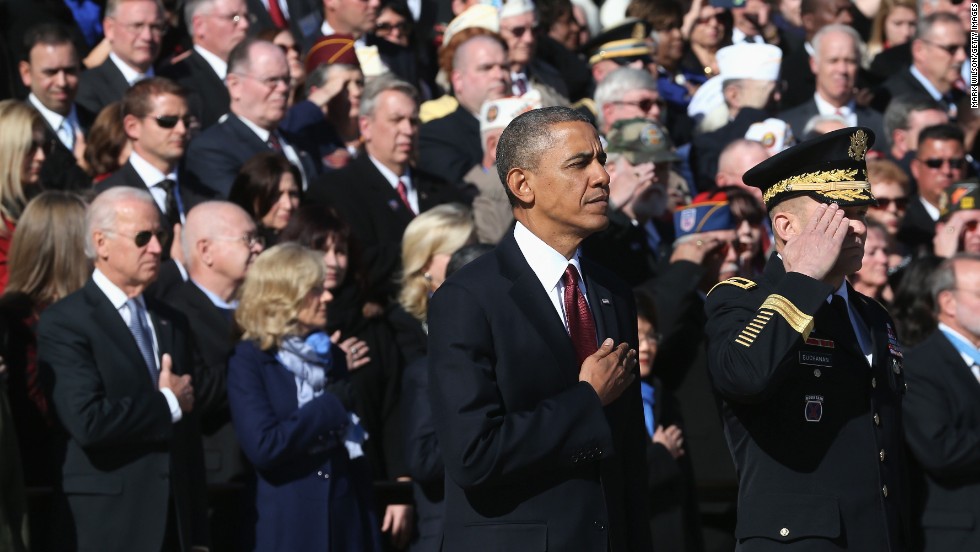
(623, 43)
(829, 168)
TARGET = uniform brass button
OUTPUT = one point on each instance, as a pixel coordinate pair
(784, 532)
(884, 491)
(816, 373)
(881, 454)
(877, 419)
(874, 383)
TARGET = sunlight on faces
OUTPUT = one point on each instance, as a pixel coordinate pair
(892, 203)
(836, 67)
(391, 132)
(800, 210)
(118, 256)
(931, 57)
(520, 46)
(152, 141)
(278, 216)
(30, 171)
(216, 29)
(134, 32)
(482, 73)
(312, 314)
(353, 16)
(900, 25)
(52, 75)
(874, 264)
(933, 182)
(647, 350)
(287, 43)
(708, 31)
(964, 301)
(349, 99)
(231, 253)
(253, 97)
(336, 258)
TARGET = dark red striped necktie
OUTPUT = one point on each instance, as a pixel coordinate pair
(581, 326)
(275, 14)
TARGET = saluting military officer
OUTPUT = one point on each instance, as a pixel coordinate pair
(809, 371)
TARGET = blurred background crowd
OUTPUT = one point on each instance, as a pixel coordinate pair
(318, 168)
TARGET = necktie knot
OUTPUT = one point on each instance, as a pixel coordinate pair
(274, 142)
(570, 278)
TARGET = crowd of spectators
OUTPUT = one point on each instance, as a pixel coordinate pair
(268, 192)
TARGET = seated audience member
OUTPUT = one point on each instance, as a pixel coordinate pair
(872, 279)
(284, 39)
(666, 18)
(23, 149)
(492, 212)
(958, 228)
(47, 262)
(107, 148)
(258, 83)
(528, 70)
(710, 29)
(215, 27)
(291, 408)
(395, 23)
(326, 121)
(626, 93)
(134, 30)
(157, 122)
(639, 157)
(422, 454)
(913, 308)
(939, 162)
(220, 242)
(117, 363)
(50, 71)
(890, 186)
(372, 355)
(673, 514)
(389, 191)
(268, 188)
(942, 412)
(904, 119)
(429, 241)
(735, 160)
(893, 25)
(753, 242)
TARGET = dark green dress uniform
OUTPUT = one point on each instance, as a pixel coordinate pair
(814, 430)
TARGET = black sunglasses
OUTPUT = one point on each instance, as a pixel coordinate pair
(884, 203)
(388, 27)
(626, 60)
(141, 239)
(170, 121)
(47, 146)
(936, 163)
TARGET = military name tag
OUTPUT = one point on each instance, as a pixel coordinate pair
(813, 411)
(812, 358)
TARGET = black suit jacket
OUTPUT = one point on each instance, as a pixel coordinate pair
(125, 460)
(207, 95)
(533, 460)
(212, 330)
(215, 156)
(798, 117)
(815, 432)
(100, 86)
(800, 81)
(942, 427)
(903, 83)
(706, 148)
(450, 146)
(917, 229)
(60, 170)
(376, 215)
(298, 9)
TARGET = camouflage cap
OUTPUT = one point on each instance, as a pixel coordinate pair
(961, 196)
(641, 141)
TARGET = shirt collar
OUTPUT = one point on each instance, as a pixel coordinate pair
(390, 176)
(966, 358)
(115, 295)
(219, 65)
(932, 210)
(53, 119)
(547, 263)
(842, 293)
(262, 133)
(933, 91)
(824, 107)
(131, 75)
(150, 175)
(327, 30)
(215, 300)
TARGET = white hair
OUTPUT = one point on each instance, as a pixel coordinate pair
(618, 83)
(101, 214)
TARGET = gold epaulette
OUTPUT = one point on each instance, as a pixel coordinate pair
(736, 281)
(587, 104)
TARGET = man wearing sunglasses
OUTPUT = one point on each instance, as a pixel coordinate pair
(938, 53)
(527, 70)
(939, 162)
(132, 473)
(216, 26)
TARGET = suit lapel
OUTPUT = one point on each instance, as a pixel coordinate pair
(601, 302)
(537, 307)
(379, 187)
(108, 318)
(162, 328)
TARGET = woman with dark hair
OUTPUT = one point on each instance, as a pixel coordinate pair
(913, 310)
(375, 363)
(753, 238)
(268, 188)
(106, 147)
(395, 23)
(707, 28)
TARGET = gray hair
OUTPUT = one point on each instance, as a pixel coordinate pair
(384, 83)
(618, 83)
(924, 28)
(101, 214)
(192, 8)
(815, 121)
(113, 5)
(899, 109)
(944, 277)
(527, 136)
(837, 28)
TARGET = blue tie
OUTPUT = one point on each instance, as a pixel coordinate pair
(144, 339)
(647, 393)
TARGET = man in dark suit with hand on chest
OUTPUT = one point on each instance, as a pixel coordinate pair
(533, 364)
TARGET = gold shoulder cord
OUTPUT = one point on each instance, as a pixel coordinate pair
(797, 319)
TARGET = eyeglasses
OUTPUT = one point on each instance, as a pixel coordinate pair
(269, 82)
(234, 18)
(156, 29)
(652, 339)
(937, 163)
(250, 240)
(402, 27)
(170, 121)
(643, 105)
(950, 49)
(46, 146)
(141, 239)
(971, 225)
(884, 203)
(518, 31)
(627, 60)
(286, 49)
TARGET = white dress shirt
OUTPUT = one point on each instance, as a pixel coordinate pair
(932, 210)
(118, 299)
(56, 120)
(966, 358)
(327, 30)
(846, 111)
(152, 177)
(218, 65)
(549, 266)
(131, 75)
(411, 190)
